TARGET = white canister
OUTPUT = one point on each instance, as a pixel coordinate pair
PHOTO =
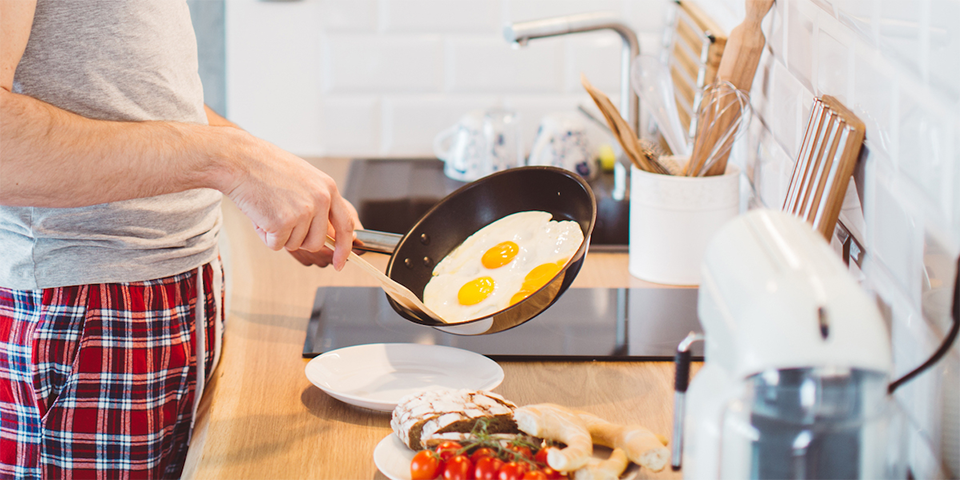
(672, 218)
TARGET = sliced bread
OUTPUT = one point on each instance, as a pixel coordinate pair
(422, 416)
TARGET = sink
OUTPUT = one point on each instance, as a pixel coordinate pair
(392, 194)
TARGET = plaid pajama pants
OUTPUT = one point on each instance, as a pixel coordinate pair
(98, 381)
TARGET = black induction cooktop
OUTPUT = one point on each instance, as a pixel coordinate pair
(584, 324)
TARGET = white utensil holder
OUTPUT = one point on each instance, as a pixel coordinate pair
(672, 218)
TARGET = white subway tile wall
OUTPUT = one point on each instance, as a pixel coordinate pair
(294, 67)
(875, 102)
(521, 10)
(800, 41)
(380, 78)
(352, 16)
(360, 63)
(350, 122)
(436, 16)
(944, 48)
(273, 74)
(486, 64)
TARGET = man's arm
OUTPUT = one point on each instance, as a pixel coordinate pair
(53, 158)
(216, 120)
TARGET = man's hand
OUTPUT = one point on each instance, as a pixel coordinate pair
(297, 231)
(291, 203)
(324, 257)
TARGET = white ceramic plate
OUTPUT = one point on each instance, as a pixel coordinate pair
(393, 458)
(377, 375)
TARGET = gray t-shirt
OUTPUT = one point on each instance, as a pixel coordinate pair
(113, 60)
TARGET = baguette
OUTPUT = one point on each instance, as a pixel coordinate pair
(554, 422)
(609, 469)
(641, 446)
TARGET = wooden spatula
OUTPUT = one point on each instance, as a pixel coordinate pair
(397, 292)
(639, 155)
(738, 65)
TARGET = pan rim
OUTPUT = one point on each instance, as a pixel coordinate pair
(578, 256)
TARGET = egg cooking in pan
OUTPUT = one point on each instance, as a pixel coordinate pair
(501, 264)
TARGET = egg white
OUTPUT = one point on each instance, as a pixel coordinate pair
(540, 240)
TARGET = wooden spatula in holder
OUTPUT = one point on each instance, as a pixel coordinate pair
(639, 153)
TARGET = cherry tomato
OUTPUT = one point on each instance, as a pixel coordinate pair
(534, 475)
(521, 449)
(482, 452)
(447, 450)
(487, 468)
(541, 456)
(512, 471)
(425, 465)
(459, 467)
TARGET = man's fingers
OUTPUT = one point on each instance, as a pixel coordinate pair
(317, 236)
(320, 259)
(342, 218)
(297, 236)
(276, 240)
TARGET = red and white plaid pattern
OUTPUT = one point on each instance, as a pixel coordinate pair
(97, 381)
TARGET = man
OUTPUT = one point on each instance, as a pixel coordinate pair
(111, 175)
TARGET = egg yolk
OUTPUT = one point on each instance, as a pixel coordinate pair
(499, 254)
(475, 291)
(538, 277)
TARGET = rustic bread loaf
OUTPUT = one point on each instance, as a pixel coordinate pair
(420, 417)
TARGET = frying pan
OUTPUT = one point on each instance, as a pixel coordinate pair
(445, 226)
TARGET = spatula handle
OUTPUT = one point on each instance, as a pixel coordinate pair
(398, 292)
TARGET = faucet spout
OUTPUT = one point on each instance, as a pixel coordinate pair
(521, 32)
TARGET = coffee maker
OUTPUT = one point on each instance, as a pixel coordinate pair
(797, 362)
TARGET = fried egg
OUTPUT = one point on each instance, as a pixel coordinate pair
(501, 264)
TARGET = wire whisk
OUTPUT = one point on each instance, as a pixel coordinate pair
(722, 118)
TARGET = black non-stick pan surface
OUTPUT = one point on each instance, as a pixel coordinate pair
(475, 205)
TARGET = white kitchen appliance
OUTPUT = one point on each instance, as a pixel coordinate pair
(797, 361)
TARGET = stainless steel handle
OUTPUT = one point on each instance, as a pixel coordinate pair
(375, 241)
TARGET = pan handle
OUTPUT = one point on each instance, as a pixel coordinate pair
(374, 241)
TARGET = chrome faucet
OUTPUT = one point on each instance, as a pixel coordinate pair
(520, 33)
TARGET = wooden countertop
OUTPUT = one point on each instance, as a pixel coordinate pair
(261, 418)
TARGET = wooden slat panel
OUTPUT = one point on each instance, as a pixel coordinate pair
(828, 155)
(698, 46)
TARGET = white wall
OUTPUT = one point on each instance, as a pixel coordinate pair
(381, 77)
